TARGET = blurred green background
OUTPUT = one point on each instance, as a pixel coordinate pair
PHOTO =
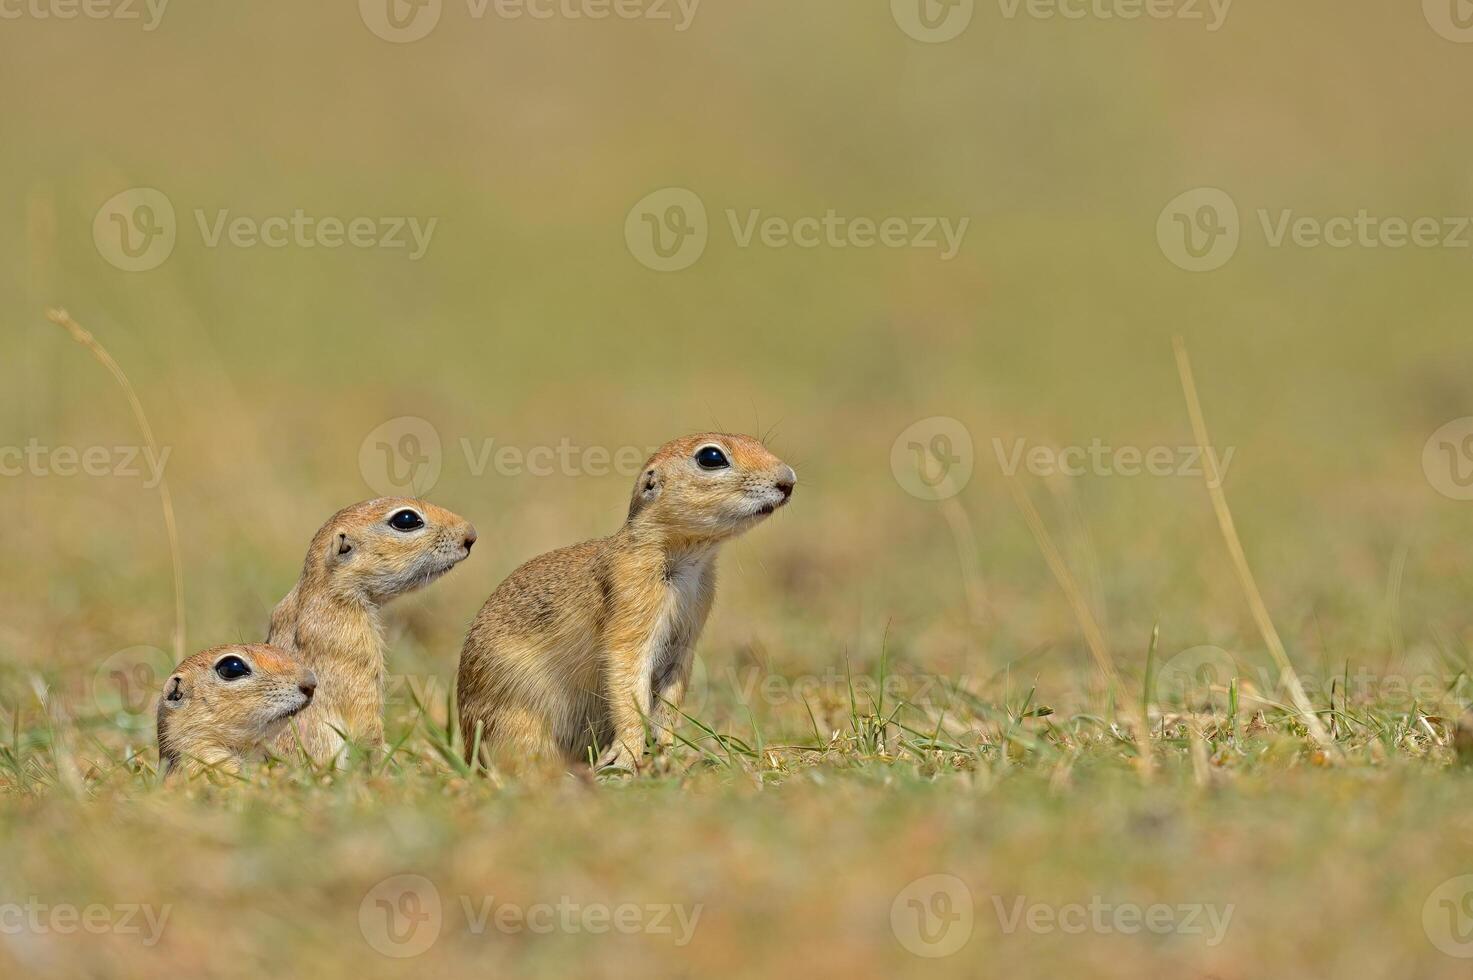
(529, 321)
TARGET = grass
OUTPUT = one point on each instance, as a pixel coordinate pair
(791, 824)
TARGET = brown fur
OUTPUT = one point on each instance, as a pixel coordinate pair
(331, 620)
(580, 648)
(208, 723)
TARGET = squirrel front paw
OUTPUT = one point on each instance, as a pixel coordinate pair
(618, 757)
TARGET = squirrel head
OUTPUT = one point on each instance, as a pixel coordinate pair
(378, 549)
(220, 705)
(708, 487)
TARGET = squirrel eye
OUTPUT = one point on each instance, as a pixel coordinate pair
(406, 520)
(711, 458)
(232, 668)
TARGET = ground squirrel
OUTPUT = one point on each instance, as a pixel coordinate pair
(221, 708)
(582, 648)
(362, 557)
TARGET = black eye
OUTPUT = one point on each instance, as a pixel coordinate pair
(711, 458)
(232, 669)
(406, 520)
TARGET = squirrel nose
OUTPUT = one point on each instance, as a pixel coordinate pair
(308, 685)
(786, 481)
(470, 537)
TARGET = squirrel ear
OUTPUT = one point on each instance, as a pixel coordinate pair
(645, 491)
(649, 486)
